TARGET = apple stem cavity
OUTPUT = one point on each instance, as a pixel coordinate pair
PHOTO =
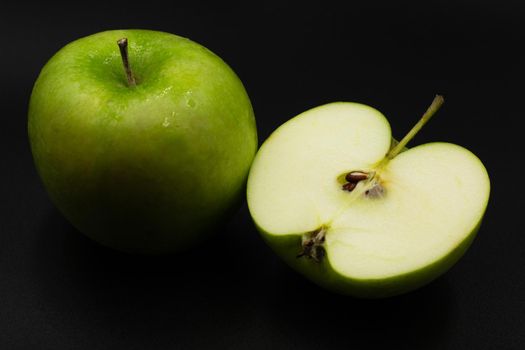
(123, 46)
(431, 110)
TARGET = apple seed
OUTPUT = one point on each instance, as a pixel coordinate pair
(349, 186)
(356, 176)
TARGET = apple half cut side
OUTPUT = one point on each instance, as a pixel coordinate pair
(406, 219)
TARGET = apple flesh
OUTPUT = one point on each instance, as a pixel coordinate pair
(405, 220)
(148, 167)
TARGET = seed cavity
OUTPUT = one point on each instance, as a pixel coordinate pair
(353, 178)
(374, 189)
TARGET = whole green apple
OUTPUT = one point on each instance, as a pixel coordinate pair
(143, 150)
(358, 213)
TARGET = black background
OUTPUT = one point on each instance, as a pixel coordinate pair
(58, 290)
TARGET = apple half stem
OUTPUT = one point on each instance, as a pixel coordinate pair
(123, 46)
(431, 110)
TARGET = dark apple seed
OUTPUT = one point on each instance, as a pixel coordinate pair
(349, 186)
(356, 176)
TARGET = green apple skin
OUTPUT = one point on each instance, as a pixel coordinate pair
(144, 169)
(322, 274)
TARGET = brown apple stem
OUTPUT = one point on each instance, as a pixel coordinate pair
(123, 46)
(432, 109)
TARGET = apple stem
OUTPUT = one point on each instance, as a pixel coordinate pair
(431, 110)
(123, 46)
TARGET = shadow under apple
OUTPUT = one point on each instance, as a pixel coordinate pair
(230, 291)
(312, 316)
(192, 298)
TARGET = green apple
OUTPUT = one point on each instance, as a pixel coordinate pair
(143, 150)
(342, 204)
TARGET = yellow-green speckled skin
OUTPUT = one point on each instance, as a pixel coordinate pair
(146, 169)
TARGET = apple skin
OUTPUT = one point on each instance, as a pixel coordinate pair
(321, 273)
(325, 276)
(144, 169)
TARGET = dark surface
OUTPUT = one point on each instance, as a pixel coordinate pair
(58, 290)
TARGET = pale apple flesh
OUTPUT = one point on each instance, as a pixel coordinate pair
(374, 242)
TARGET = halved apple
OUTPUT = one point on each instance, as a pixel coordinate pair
(357, 213)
